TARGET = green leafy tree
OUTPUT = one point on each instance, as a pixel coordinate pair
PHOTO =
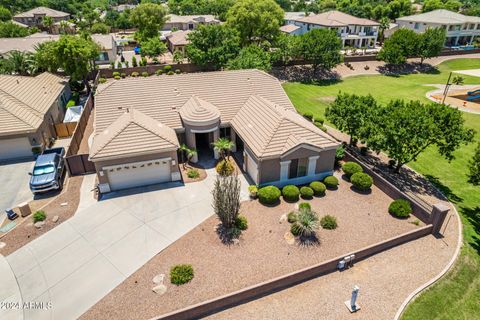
(285, 48)
(474, 167)
(256, 20)
(76, 56)
(213, 45)
(149, 19)
(45, 56)
(399, 8)
(47, 23)
(178, 56)
(430, 5)
(153, 47)
(352, 114)
(401, 45)
(403, 130)
(430, 43)
(11, 30)
(100, 27)
(123, 22)
(251, 57)
(453, 5)
(321, 47)
(5, 14)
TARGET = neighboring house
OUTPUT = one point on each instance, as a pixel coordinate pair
(291, 29)
(27, 44)
(34, 17)
(178, 40)
(175, 22)
(123, 7)
(461, 29)
(140, 124)
(354, 32)
(29, 107)
(291, 17)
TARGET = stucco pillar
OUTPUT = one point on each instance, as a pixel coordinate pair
(216, 136)
(312, 165)
(191, 143)
(456, 41)
(439, 213)
(284, 169)
(233, 139)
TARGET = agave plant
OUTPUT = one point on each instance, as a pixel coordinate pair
(306, 223)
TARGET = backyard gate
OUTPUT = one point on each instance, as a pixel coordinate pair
(79, 164)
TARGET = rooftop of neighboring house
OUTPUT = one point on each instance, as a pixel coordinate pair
(19, 24)
(123, 7)
(336, 19)
(24, 101)
(289, 28)
(179, 38)
(440, 16)
(294, 15)
(42, 11)
(207, 18)
(252, 101)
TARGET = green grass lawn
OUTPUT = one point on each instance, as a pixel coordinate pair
(457, 295)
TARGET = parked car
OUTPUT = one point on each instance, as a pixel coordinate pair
(48, 171)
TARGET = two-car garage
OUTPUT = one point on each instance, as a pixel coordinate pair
(15, 148)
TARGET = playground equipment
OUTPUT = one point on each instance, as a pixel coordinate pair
(473, 95)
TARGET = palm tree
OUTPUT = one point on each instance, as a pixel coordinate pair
(223, 146)
(48, 22)
(384, 25)
(190, 154)
(20, 62)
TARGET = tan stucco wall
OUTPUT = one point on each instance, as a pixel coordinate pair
(100, 164)
(326, 162)
(300, 153)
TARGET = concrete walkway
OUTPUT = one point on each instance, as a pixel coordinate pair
(9, 292)
(77, 263)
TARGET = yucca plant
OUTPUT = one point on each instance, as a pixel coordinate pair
(306, 224)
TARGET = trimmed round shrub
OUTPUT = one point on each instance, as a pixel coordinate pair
(400, 208)
(145, 74)
(178, 71)
(330, 182)
(167, 68)
(292, 217)
(159, 72)
(304, 205)
(115, 73)
(253, 191)
(306, 192)
(123, 75)
(350, 168)
(318, 188)
(102, 80)
(70, 103)
(328, 222)
(39, 216)
(361, 181)
(241, 223)
(170, 73)
(117, 78)
(193, 173)
(269, 195)
(225, 168)
(291, 193)
(135, 74)
(181, 274)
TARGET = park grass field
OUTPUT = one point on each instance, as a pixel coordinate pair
(457, 295)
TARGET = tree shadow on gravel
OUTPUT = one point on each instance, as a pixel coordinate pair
(306, 74)
(227, 235)
(408, 68)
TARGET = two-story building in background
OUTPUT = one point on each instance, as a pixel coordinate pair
(354, 32)
(35, 16)
(461, 30)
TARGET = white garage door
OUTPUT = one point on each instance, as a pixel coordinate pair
(130, 175)
(15, 148)
(252, 168)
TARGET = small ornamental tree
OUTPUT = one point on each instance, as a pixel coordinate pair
(251, 57)
(430, 43)
(474, 168)
(153, 47)
(226, 204)
(149, 18)
(401, 45)
(321, 47)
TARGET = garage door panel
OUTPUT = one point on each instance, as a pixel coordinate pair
(132, 175)
(15, 148)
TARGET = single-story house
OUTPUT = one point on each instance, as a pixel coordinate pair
(140, 124)
(29, 107)
(176, 22)
(34, 17)
(178, 40)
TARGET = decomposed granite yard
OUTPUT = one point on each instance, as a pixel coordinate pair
(262, 253)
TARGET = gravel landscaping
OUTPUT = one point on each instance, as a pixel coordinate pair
(263, 252)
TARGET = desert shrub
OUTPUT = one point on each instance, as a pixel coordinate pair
(304, 205)
(159, 72)
(39, 215)
(306, 224)
(135, 74)
(119, 65)
(123, 75)
(361, 181)
(328, 222)
(330, 182)
(340, 152)
(181, 274)
(318, 188)
(117, 78)
(193, 173)
(308, 116)
(225, 168)
(253, 191)
(269, 195)
(143, 61)
(292, 217)
(290, 193)
(102, 80)
(178, 71)
(170, 73)
(400, 208)
(145, 74)
(241, 223)
(134, 62)
(70, 103)
(167, 68)
(306, 192)
(115, 73)
(350, 168)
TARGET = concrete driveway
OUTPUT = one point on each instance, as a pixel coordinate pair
(77, 263)
(14, 181)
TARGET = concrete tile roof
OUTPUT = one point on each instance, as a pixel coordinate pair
(208, 18)
(271, 130)
(133, 133)
(197, 110)
(440, 16)
(179, 38)
(24, 101)
(289, 28)
(289, 15)
(42, 11)
(336, 18)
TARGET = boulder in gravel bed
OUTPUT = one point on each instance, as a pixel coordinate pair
(2, 245)
(39, 224)
(158, 278)
(160, 289)
(283, 218)
(55, 219)
(289, 237)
